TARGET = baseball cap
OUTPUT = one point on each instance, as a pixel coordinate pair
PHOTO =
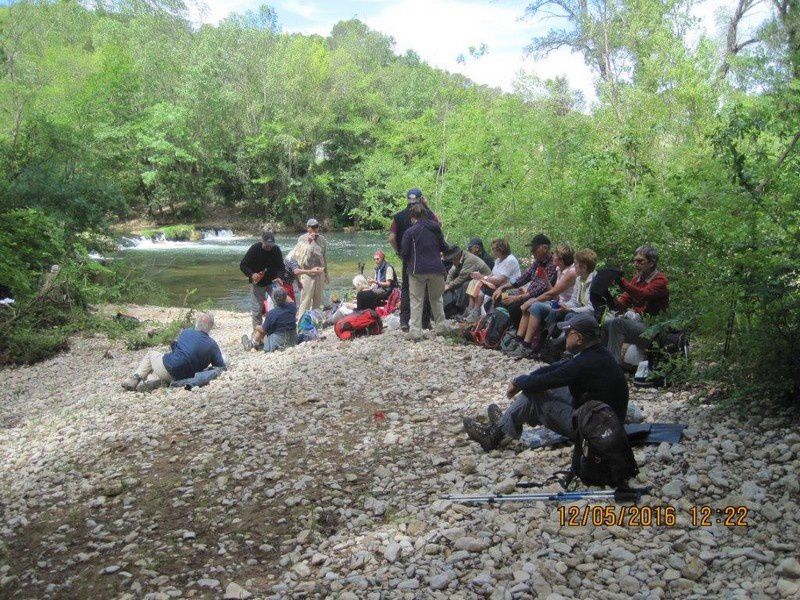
(312, 222)
(268, 236)
(538, 240)
(583, 323)
(414, 194)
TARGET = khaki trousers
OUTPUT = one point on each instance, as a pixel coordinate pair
(153, 362)
(417, 285)
(311, 296)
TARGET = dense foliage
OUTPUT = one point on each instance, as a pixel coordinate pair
(692, 144)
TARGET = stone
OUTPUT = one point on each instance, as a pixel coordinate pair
(392, 551)
(208, 583)
(788, 567)
(471, 544)
(440, 581)
(788, 589)
(236, 592)
(674, 489)
(770, 511)
(694, 569)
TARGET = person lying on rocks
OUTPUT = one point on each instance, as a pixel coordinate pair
(549, 395)
(193, 351)
(645, 295)
(279, 326)
(459, 277)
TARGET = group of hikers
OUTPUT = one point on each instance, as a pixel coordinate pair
(556, 298)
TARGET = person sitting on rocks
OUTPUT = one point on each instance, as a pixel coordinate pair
(506, 269)
(193, 351)
(366, 298)
(536, 280)
(645, 295)
(459, 277)
(475, 246)
(528, 340)
(385, 279)
(279, 327)
(550, 394)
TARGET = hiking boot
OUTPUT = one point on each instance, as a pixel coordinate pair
(473, 316)
(510, 346)
(247, 343)
(489, 437)
(521, 351)
(131, 382)
(495, 413)
(404, 328)
(149, 386)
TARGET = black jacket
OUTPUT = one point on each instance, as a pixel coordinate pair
(591, 375)
(257, 259)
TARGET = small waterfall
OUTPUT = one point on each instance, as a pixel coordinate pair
(216, 233)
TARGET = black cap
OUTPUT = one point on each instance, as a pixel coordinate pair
(268, 237)
(451, 252)
(538, 240)
(583, 323)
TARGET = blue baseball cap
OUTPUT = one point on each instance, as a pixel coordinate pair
(414, 195)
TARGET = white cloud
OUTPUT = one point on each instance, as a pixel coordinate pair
(440, 30)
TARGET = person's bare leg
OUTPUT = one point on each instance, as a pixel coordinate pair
(523, 325)
(532, 330)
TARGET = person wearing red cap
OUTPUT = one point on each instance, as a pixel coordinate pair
(385, 279)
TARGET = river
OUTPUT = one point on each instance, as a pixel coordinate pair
(211, 266)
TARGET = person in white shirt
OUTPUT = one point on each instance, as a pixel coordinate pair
(506, 269)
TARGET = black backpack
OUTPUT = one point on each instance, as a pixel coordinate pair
(490, 329)
(602, 453)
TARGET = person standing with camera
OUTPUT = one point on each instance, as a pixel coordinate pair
(310, 252)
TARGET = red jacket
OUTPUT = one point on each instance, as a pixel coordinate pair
(643, 296)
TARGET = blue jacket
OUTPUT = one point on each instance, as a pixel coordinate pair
(191, 353)
(280, 319)
(421, 249)
(591, 375)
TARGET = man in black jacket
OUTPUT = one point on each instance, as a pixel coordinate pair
(400, 223)
(551, 393)
(263, 265)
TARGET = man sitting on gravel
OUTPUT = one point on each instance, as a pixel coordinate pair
(191, 353)
(279, 326)
(551, 393)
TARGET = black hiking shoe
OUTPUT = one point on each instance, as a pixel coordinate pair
(489, 437)
(495, 413)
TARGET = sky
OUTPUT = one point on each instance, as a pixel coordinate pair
(441, 30)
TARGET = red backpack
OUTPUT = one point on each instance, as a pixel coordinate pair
(357, 324)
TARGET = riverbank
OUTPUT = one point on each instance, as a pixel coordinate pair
(316, 473)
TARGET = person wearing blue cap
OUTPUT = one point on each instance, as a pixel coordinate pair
(401, 223)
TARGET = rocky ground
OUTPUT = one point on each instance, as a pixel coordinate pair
(315, 473)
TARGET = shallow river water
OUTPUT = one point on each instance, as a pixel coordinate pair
(211, 266)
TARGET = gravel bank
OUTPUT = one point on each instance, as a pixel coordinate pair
(315, 473)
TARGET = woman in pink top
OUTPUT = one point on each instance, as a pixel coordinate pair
(534, 311)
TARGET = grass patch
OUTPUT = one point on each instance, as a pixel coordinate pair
(179, 233)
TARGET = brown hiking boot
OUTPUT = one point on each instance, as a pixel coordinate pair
(131, 382)
(489, 437)
(495, 413)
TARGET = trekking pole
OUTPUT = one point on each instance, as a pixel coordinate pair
(618, 495)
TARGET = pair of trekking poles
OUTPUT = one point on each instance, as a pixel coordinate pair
(622, 493)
